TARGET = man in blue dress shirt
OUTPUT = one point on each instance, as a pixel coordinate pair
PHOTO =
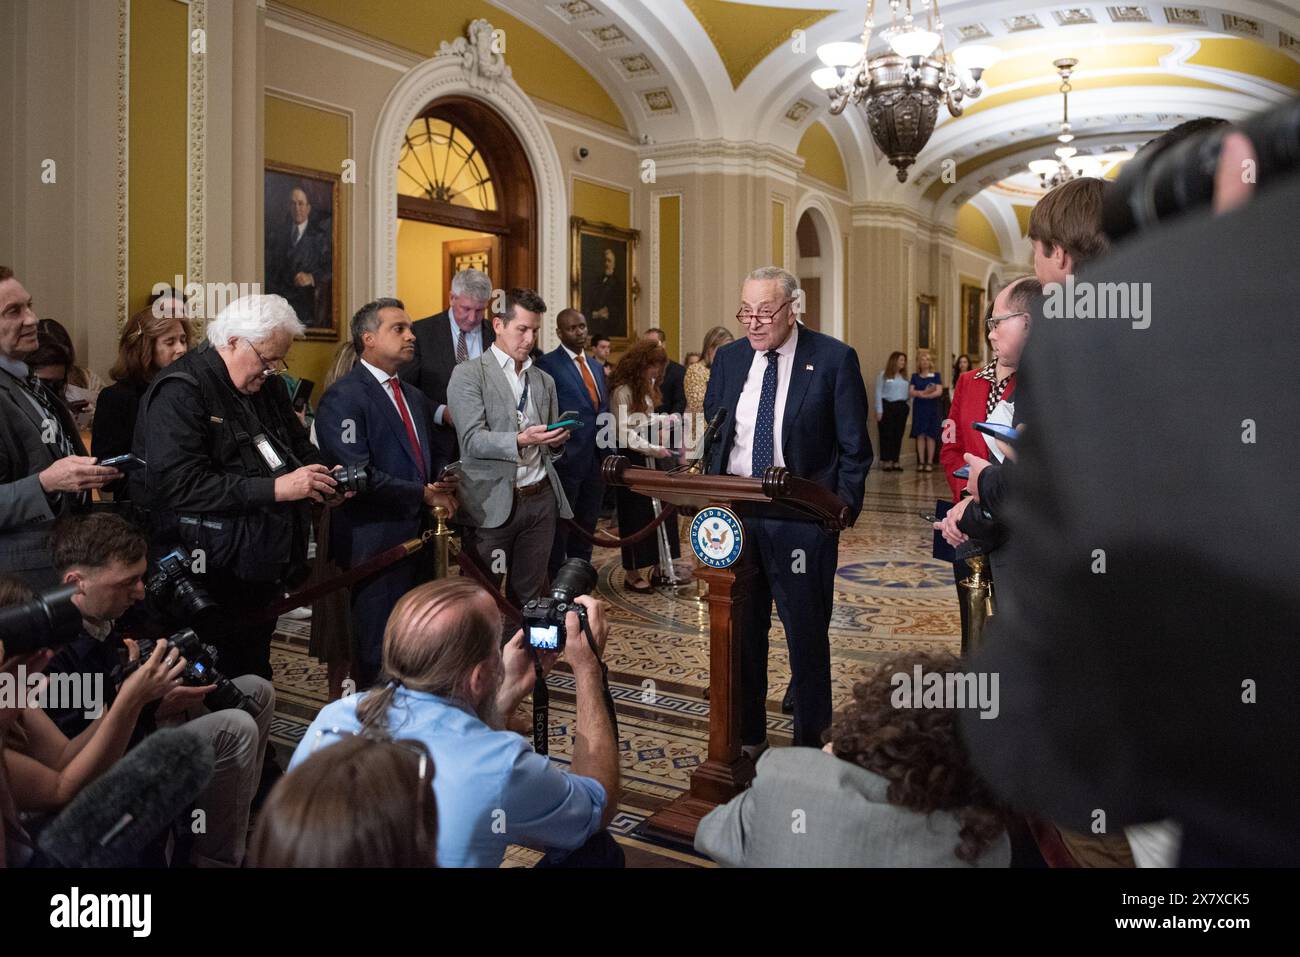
(451, 686)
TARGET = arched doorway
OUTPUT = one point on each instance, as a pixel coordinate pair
(461, 73)
(465, 197)
(819, 265)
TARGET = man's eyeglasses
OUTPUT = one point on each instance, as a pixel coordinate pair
(993, 321)
(268, 369)
(761, 317)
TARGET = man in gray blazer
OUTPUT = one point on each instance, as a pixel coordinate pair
(510, 495)
(44, 469)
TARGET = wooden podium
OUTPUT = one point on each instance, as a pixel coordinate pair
(727, 770)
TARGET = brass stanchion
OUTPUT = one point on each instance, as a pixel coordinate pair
(441, 536)
(977, 592)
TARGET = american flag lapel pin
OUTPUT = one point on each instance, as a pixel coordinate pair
(808, 368)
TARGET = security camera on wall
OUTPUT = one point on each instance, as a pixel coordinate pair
(580, 153)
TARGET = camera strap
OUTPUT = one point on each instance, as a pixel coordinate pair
(542, 697)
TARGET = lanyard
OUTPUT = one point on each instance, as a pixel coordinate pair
(523, 401)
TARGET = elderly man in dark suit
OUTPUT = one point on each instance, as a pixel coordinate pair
(299, 265)
(580, 387)
(44, 470)
(370, 417)
(444, 341)
(780, 373)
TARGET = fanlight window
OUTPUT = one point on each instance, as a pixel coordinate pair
(441, 164)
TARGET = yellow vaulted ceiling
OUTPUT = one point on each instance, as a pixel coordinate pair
(744, 33)
(540, 67)
(822, 156)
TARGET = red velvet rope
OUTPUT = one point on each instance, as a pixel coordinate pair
(606, 541)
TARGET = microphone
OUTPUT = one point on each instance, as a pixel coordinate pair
(706, 441)
(116, 816)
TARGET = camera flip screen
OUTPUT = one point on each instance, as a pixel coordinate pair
(544, 637)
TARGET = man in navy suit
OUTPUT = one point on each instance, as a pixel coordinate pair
(444, 341)
(369, 417)
(780, 374)
(580, 387)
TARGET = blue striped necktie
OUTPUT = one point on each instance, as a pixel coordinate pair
(765, 422)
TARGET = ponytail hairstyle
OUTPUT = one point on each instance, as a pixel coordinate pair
(437, 634)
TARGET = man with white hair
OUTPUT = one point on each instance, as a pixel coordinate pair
(230, 472)
(444, 341)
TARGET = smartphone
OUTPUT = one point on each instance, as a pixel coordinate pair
(999, 431)
(568, 420)
(123, 463)
(451, 471)
(962, 473)
(929, 517)
(302, 394)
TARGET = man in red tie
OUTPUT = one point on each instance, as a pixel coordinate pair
(580, 387)
(369, 417)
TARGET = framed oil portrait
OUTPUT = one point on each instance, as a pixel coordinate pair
(302, 220)
(972, 323)
(927, 308)
(604, 282)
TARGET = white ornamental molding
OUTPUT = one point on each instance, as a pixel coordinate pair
(196, 190)
(123, 143)
(474, 67)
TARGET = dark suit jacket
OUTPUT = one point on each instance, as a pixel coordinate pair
(26, 512)
(312, 254)
(391, 509)
(113, 431)
(430, 370)
(1125, 690)
(672, 392)
(580, 452)
(824, 430)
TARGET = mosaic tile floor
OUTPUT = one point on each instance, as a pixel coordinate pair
(890, 597)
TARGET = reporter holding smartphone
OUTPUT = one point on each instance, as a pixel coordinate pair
(510, 492)
(451, 686)
(368, 417)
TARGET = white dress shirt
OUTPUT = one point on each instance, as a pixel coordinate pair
(530, 470)
(386, 383)
(741, 460)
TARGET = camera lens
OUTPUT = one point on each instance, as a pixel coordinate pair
(47, 620)
(575, 577)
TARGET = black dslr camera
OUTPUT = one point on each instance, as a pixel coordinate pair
(174, 587)
(544, 617)
(351, 478)
(200, 670)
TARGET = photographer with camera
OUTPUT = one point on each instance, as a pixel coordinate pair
(368, 418)
(45, 767)
(104, 556)
(450, 685)
(231, 471)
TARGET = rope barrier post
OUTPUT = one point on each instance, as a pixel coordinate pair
(441, 543)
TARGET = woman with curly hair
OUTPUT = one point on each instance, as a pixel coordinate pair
(892, 788)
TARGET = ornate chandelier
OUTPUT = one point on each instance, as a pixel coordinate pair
(900, 91)
(1052, 173)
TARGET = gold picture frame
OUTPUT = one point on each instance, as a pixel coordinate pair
(927, 311)
(972, 323)
(604, 291)
(317, 252)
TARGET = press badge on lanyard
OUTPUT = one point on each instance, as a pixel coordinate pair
(267, 451)
(523, 401)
